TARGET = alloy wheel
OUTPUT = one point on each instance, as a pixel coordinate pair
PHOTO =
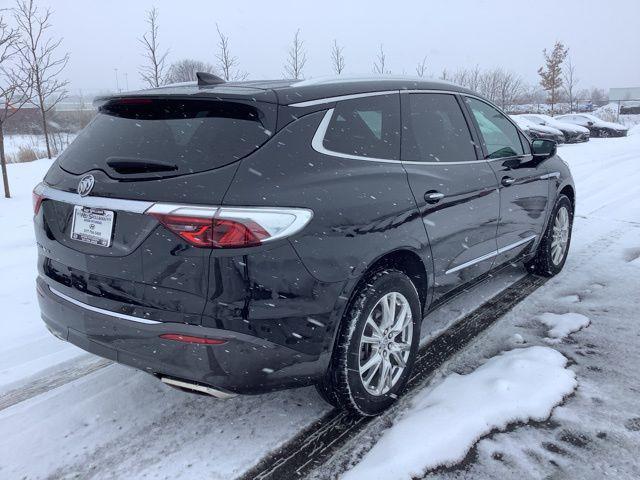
(385, 343)
(560, 237)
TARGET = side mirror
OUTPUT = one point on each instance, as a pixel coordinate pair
(543, 149)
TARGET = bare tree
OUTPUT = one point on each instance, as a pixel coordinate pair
(185, 70)
(226, 60)
(421, 69)
(498, 85)
(468, 78)
(39, 56)
(444, 75)
(297, 58)
(12, 88)
(551, 73)
(380, 64)
(337, 58)
(598, 95)
(570, 81)
(490, 84)
(510, 87)
(152, 72)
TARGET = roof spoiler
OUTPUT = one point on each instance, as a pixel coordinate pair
(205, 79)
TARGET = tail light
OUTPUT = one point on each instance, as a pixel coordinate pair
(230, 227)
(37, 198)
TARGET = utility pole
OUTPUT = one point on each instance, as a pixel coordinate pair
(117, 84)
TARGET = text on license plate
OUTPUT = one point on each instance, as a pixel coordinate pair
(92, 225)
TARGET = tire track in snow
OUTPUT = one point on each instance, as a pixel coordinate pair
(312, 446)
(53, 379)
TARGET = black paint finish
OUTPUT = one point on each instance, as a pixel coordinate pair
(279, 305)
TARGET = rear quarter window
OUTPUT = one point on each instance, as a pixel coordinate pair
(366, 127)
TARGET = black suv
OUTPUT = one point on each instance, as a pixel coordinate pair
(243, 237)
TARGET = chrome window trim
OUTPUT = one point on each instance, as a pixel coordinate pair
(317, 143)
(339, 98)
(489, 255)
(318, 138)
(102, 311)
(322, 101)
(119, 204)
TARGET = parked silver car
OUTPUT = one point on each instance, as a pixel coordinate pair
(572, 133)
(597, 127)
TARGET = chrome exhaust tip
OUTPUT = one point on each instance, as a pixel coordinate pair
(194, 387)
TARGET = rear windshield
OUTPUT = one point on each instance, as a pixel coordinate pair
(139, 136)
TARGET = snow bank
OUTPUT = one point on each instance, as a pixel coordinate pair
(28, 347)
(444, 423)
(564, 325)
(609, 113)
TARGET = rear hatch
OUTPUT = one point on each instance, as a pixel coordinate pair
(102, 249)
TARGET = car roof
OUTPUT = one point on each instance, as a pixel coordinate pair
(287, 92)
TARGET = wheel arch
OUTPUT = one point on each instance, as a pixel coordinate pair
(570, 193)
(404, 259)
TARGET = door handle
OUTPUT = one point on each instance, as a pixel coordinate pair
(433, 196)
(508, 181)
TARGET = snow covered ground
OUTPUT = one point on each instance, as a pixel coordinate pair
(588, 314)
(117, 422)
(34, 143)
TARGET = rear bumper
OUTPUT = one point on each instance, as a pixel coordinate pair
(244, 364)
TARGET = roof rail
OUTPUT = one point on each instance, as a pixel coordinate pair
(205, 78)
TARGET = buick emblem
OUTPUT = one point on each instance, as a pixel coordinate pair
(86, 185)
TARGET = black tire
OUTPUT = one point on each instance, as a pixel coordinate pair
(342, 385)
(543, 263)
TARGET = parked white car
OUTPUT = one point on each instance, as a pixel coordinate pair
(572, 133)
(597, 127)
(534, 130)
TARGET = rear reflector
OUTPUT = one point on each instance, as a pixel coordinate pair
(190, 339)
(230, 227)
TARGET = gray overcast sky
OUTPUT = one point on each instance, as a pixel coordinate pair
(603, 37)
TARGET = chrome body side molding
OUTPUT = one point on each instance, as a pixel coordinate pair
(546, 176)
(489, 255)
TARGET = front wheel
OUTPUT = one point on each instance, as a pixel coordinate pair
(376, 346)
(554, 246)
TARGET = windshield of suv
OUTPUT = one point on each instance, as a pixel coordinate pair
(168, 137)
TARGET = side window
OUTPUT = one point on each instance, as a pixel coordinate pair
(500, 136)
(435, 130)
(366, 127)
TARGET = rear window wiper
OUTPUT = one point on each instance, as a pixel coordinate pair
(137, 165)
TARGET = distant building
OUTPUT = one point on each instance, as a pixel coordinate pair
(622, 94)
(627, 98)
(75, 104)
